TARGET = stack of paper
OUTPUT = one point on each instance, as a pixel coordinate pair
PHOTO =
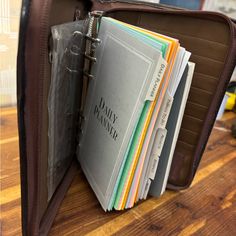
(137, 77)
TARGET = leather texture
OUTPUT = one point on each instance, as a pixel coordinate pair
(209, 36)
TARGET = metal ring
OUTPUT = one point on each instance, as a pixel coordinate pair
(95, 40)
(73, 52)
(71, 71)
(77, 32)
(88, 75)
(93, 59)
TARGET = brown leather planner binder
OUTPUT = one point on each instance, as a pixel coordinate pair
(211, 37)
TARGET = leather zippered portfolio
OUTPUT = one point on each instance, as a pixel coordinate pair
(209, 36)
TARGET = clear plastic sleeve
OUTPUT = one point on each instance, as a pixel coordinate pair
(64, 98)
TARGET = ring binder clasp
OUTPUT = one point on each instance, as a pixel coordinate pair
(77, 33)
(74, 49)
(91, 42)
(71, 70)
(88, 75)
(91, 58)
(94, 40)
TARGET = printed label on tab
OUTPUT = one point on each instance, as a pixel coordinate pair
(159, 141)
(154, 165)
(156, 80)
(167, 104)
(156, 151)
(143, 188)
(147, 187)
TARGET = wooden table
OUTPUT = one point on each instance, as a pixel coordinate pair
(207, 208)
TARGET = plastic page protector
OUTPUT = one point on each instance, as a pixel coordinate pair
(141, 138)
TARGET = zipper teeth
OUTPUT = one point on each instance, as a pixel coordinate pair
(90, 26)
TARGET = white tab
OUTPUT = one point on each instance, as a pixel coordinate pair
(154, 164)
(161, 135)
(156, 80)
(164, 111)
(143, 189)
(147, 187)
(167, 103)
(156, 151)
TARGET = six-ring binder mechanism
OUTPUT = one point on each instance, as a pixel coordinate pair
(90, 46)
(71, 56)
(91, 41)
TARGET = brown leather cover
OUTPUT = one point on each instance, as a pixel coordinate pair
(210, 37)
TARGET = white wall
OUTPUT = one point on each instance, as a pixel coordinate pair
(9, 25)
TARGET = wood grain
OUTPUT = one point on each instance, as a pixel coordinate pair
(208, 207)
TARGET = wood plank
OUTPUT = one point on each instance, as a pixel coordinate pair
(196, 211)
(9, 168)
(8, 111)
(207, 208)
(128, 223)
(195, 207)
(8, 124)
